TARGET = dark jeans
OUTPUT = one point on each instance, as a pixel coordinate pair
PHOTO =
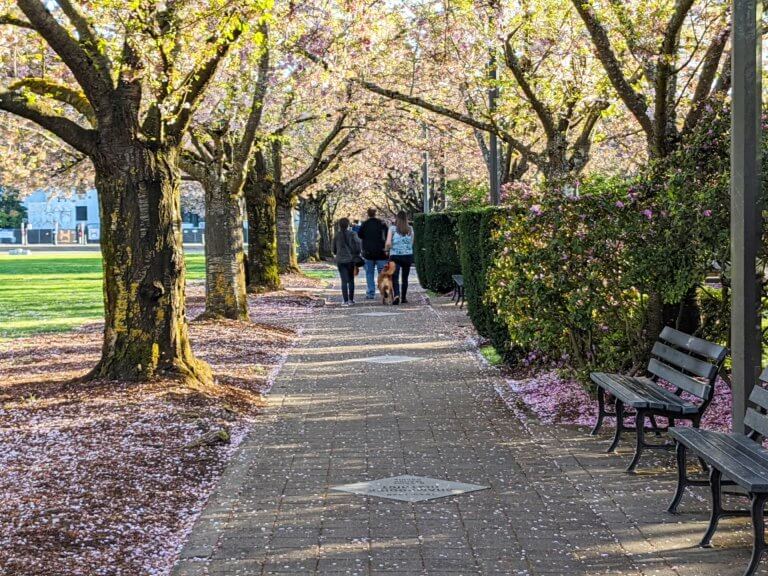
(402, 270)
(347, 274)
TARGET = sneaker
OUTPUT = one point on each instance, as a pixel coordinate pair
(369, 297)
(345, 304)
(351, 302)
(404, 301)
(396, 301)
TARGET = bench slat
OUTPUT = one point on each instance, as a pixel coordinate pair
(756, 421)
(676, 378)
(682, 360)
(741, 443)
(703, 348)
(745, 465)
(642, 393)
(759, 396)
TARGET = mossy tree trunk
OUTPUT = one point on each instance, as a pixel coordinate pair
(225, 291)
(309, 229)
(286, 235)
(146, 333)
(260, 202)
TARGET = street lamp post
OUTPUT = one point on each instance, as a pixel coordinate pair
(493, 152)
(425, 169)
(746, 212)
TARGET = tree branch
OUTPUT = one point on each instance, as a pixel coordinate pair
(9, 20)
(81, 139)
(669, 46)
(443, 111)
(197, 81)
(706, 79)
(88, 39)
(633, 100)
(61, 92)
(541, 110)
(244, 149)
(93, 82)
(583, 144)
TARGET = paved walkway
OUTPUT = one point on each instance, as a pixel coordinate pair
(557, 504)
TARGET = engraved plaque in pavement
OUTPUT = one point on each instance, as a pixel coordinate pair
(409, 488)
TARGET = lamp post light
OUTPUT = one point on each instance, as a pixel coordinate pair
(746, 212)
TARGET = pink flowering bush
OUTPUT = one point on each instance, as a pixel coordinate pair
(589, 271)
(559, 280)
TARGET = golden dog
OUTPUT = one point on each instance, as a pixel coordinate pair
(386, 288)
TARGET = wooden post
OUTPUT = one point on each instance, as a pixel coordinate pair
(746, 349)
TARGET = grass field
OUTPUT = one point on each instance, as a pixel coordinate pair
(56, 291)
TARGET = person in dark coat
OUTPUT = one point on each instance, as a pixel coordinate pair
(373, 234)
(346, 248)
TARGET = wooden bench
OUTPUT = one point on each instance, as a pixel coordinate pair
(689, 364)
(736, 460)
(458, 289)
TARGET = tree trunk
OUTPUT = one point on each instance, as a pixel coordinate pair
(286, 237)
(324, 229)
(225, 289)
(309, 220)
(145, 332)
(263, 271)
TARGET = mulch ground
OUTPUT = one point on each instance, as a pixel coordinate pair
(100, 478)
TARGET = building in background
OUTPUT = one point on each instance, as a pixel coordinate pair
(60, 218)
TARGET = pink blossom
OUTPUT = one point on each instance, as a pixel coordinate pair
(536, 210)
(648, 213)
(619, 204)
(707, 213)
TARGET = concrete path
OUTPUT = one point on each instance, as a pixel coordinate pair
(556, 504)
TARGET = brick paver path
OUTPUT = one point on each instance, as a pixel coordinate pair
(557, 504)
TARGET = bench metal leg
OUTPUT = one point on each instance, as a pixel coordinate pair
(655, 426)
(639, 439)
(619, 425)
(717, 507)
(696, 423)
(682, 479)
(461, 295)
(600, 411)
(758, 526)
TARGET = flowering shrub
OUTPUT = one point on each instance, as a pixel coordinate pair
(559, 280)
(464, 195)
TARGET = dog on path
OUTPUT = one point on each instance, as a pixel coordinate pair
(386, 288)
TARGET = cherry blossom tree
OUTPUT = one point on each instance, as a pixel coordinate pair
(219, 156)
(124, 82)
(664, 59)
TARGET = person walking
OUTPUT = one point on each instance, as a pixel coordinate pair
(400, 246)
(373, 234)
(346, 249)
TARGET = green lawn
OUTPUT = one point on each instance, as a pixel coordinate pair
(321, 273)
(55, 292)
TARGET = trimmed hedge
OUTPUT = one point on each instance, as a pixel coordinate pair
(419, 229)
(436, 250)
(478, 249)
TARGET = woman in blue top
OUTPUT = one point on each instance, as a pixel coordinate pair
(400, 246)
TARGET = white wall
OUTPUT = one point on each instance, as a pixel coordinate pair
(44, 211)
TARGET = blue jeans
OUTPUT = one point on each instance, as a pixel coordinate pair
(371, 267)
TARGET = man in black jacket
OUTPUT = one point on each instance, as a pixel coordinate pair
(373, 233)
